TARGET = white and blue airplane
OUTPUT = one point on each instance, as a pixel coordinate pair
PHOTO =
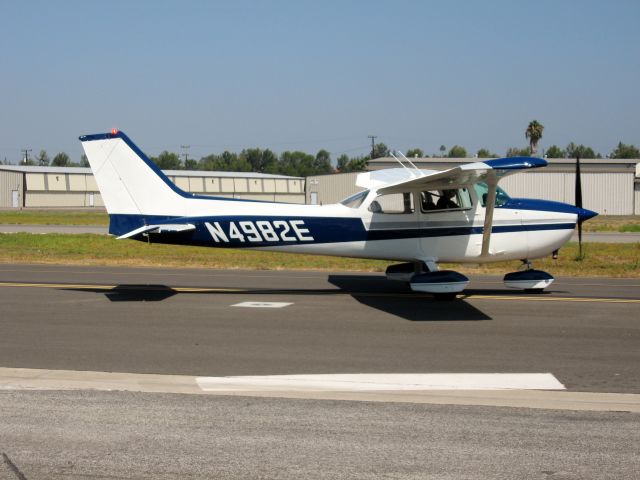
(417, 217)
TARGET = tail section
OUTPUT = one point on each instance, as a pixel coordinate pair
(130, 183)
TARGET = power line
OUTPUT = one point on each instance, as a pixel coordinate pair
(186, 152)
(373, 144)
(26, 154)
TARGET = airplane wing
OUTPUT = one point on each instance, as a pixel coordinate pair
(465, 174)
(489, 172)
(167, 227)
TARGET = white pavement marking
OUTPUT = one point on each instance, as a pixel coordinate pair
(376, 382)
(262, 304)
(35, 379)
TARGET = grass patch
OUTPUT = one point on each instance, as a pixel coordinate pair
(54, 217)
(612, 223)
(611, 260)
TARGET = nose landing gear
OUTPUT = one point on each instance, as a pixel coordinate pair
(528, 279)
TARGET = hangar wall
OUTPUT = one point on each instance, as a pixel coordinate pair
(11, 189)
(61, 187)
(610, 187)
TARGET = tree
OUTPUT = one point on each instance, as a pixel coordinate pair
(534, 134)
(260, 160)
(42, 159)
(167, 161)
(442, 150)
(457, 152)
(484, 153)
(61, 160)
(297, 164)
(415, 153)
(625, 151)
(322, 163)
(342, 163)
(84, 161)
(517, 152)
(190, 164)
(581, 151)
(380, 150)
(358, 164)
(555, 152)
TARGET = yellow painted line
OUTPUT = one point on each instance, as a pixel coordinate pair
(530, 298)
(56, 285)
(120, 287)
(534, 298)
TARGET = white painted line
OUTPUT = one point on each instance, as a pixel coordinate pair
(374, 382)
(34, 379)
(262, 304)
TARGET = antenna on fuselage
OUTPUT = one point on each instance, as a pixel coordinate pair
(412, 164)
(402, 164)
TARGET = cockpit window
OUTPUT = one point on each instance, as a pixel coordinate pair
(393, 203)
(482, 190)
(448, 199)
(355, 200)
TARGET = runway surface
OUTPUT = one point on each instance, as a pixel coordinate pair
(585, 331)
(66, 327)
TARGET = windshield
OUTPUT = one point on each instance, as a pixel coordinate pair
(355, 200)
(482, 189)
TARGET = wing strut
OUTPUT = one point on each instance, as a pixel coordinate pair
(490, 205)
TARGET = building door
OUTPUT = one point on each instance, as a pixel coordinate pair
(91, 199)
(314, 198)
(15, 199)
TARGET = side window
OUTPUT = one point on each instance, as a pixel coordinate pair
(450, 199)
(482, 190)
(393, 203)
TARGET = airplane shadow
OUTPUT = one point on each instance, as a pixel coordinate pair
(373, 291)
(397, 299)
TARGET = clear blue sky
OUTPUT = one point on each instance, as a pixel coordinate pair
(318, 74)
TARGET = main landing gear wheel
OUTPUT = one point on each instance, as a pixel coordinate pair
(425, 277)
(443, 284)
(530, 280)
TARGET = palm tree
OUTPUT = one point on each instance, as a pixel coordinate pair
(534, 134)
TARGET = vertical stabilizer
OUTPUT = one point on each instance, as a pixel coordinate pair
(130, 183)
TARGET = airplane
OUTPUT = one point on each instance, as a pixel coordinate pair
(417, 217)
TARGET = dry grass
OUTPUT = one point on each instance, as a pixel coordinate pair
(613, 223)
(54, 217)
(611, 260)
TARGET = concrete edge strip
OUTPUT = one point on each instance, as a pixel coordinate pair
(558, 399)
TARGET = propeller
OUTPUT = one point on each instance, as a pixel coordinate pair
(579, 203)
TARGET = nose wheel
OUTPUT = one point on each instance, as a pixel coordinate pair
(528, 279)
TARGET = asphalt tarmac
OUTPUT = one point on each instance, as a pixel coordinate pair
(584, 331)
(185, 322)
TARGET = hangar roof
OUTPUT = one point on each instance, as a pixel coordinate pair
(172, 173)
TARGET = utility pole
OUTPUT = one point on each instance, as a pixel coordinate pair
(186, 153)
(373, 144)
(26, 154)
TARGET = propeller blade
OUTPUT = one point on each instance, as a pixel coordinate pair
(578, 184)
(580, 238)
(579, 203)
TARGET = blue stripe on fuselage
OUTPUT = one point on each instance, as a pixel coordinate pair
(321, 229)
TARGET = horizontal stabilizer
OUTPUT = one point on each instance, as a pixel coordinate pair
(164, 228)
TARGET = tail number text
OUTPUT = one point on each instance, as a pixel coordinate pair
(260, 231)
